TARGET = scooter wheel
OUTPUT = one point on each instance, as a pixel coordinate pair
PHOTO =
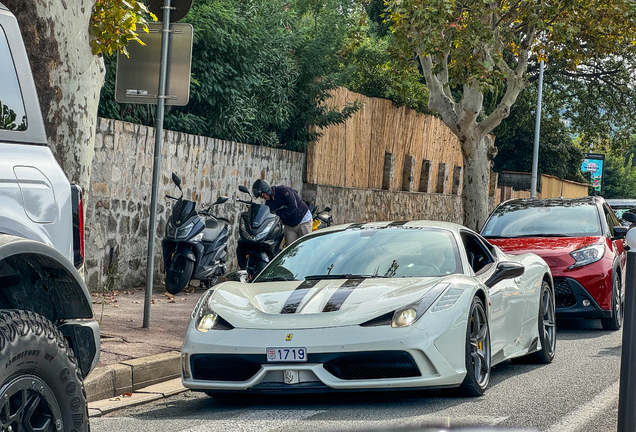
(179, 274)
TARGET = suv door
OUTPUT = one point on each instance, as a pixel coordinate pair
(34, 191)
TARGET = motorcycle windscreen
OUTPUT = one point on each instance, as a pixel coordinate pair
(182, 211)
(259, 213)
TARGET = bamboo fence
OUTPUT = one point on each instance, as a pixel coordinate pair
(352, 154)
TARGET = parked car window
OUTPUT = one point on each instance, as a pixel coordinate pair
(12, 112)
(611, 219)
(543, 218)
(384, 252)
(478, 257)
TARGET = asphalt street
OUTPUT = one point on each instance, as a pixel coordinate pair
(577, 392)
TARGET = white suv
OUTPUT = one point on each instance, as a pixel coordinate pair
(48, 339)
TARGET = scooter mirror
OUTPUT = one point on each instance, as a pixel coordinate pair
(176, 179)
(244, 189)
(221, 200)
(327, 209)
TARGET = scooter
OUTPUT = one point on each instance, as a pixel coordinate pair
(260, 236)
(195, 246)
(320, 219)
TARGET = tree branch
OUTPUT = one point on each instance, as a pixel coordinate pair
(438, 100)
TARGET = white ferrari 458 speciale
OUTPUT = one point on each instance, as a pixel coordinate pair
(384, 305)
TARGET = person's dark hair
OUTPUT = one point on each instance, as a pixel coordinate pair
(261, 186)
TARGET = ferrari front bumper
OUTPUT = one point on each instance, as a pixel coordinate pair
(338, 358)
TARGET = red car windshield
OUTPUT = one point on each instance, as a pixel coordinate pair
(543, 219)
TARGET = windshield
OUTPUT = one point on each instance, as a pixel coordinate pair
(393, 252)
(543, 219)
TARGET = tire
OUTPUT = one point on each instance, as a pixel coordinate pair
(179, 274)
(37, 362)
(477, 351)
(616, 320)
(547, 330)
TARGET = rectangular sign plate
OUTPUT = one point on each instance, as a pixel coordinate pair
(137, 79)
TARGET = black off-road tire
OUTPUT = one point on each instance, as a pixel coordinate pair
(178, 276)
(614, 322)
(475, 383)
(547, 330)
(40, 380)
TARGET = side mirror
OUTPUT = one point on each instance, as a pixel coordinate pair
(505, 270)
(629, 217)
(238, 276)
(620, 232)
(327, 209)
(244, 189)
(221, 200)
(176, 179)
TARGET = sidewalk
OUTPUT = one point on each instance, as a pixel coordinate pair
(132, 357)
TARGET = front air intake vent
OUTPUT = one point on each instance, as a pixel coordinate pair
(373, 365)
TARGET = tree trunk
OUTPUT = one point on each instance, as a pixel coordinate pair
(67, 75)
(476, 158)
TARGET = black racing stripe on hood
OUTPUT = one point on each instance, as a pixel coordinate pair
(291, 305)
(343, 292)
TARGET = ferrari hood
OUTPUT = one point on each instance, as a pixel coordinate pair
(314, 303)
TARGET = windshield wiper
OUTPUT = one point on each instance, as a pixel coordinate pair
(495, 237)
(343, 276)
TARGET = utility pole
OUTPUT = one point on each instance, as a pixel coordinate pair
(156, 166)
(537, 131)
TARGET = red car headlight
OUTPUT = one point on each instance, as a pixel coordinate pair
(587, 255)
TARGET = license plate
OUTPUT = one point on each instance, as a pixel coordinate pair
(287, 354)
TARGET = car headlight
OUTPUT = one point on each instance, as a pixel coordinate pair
(205, 318)
(184, 231)
(587, 255)
(404, 318)
(408, 315)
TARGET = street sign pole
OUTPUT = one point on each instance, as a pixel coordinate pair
(627, 392)
(537, 131)
(156, 166)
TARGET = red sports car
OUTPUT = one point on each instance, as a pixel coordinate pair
(581, 240)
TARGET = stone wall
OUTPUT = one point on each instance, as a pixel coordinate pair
(366, 205)
(117, 209)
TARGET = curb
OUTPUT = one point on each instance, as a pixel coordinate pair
(132, 375)
(145, 395)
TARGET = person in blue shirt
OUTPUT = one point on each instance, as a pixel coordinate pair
(286, 203)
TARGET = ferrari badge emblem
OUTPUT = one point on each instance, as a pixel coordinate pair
(289, 377)
(288, 337)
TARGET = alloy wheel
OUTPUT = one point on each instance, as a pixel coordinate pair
(549, 321)
(480, 345)
(27, 404)
(618, 303)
